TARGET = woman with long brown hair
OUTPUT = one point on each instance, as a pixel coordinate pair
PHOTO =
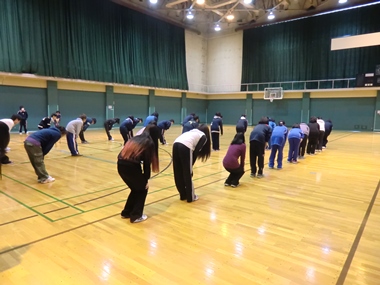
(186, 148)
(136, 175)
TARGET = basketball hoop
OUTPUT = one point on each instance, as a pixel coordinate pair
(274, 93)
(271, 98)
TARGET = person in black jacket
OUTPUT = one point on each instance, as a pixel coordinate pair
(24, 117)
(138, 149)
(108, 126)
(328, 129)
(313, 136)
(258, 139)
(242, 125)
(46, 122)
(127, 126)
(216, 131)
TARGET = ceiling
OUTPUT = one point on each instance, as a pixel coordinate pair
(246, 16)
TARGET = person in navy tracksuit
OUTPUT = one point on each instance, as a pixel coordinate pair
(108, 126)
(151, 118)
(242, 125)
(86, 124)
(295, 136)
(190, 125)
(164, 126)
(278, 140)
(188, 118)
(127, 126)
(216, 130)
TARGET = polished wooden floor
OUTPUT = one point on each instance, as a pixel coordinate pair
(315, 222)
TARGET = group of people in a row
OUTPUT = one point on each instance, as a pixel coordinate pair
(311, 137)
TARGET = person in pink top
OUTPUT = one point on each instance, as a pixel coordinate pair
(231, 162)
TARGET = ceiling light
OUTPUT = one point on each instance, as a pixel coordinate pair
(217, 28)
(200, 2)
(271, 16)
(190, 15)
(247, 1)
(153, 1)
(342, 1)
(230, 17)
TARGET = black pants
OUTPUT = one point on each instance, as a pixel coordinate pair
(23, 125)
(256, 153)
(162, 137)
(320, 139)
(4, 141)
(126, 134)
(302, 149)
(235, 175)
(325, 141)
(240, 130)
(215, 140)
(132, 175)
(81, 136)
(183, 171)
(312, 143)
(108, 128)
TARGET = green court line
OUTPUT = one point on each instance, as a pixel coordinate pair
(80, 195)
(26, 206)
(43, 193)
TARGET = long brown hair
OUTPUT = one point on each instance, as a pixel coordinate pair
(141, 146)
(205, 152)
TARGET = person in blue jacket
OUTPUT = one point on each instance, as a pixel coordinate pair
(190, 125)
(127, 126)
(278, 140)
(86, 124)
(242, 124)
(151, 118)
(216, 131)
(37, 145)
(272, 125)
(164, 126)
(188, 118)
(295, 136)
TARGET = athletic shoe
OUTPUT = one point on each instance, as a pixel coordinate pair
(77, 154)
(47, 180)
(84, 142)
(141, 219)
(271, 167)
(226, 184)
(7, 149)
(253, 175)
(6, 162)
(260, 175)
(20, 134)
(279, 168)
(196, 197)
(111, 139)
(124, 217)
(234, 186)
(295, 161)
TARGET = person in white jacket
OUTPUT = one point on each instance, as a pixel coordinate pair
(321, 124)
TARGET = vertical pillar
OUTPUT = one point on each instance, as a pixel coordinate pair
(183, 105)
(110, 103)
(151, 101)
(305, 108)
(249, 108)
(52, 97)
(376, 124)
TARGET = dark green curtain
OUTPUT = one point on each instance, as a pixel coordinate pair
(300, 50)
(92, 40)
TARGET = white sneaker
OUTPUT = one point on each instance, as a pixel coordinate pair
(48, 180)
(20, 134)
(141, 219)
(7, 149)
